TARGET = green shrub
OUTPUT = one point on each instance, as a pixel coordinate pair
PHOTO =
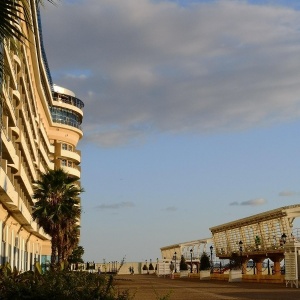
(151, 266)
(61, 284)
(235, 261)
(204, 262)
(183, 264)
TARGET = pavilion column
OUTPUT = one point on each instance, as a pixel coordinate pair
(258, 265)
(276, 267)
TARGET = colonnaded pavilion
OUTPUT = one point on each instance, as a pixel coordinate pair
(266, 245)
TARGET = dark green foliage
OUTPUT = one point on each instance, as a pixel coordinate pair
(235, 261)
(57, 285)
(76, 256)
(151, 266)
(204, 262)
(257, 240)
(57, 210)
(183, 264)
(145, 268)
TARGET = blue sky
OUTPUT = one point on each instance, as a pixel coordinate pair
(191, 115)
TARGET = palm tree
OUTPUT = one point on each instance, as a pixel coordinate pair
(57, 208)
(71, 232)
(71, 240)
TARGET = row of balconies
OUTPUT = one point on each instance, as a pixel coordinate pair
(13, 159)
(19, 211)
(22, 146)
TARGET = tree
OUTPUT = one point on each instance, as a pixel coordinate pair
(76, 255)
(183, 264)
(71, 240)
(57, 210)
(235, 261)
(204, 262)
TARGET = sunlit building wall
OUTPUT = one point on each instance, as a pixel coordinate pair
(40, 129)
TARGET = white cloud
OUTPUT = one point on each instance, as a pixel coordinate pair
(254, 202)
(288, 194)
(171, 208)
(114, 206)
(159, 67)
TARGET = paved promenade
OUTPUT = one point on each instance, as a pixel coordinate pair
(150, 287)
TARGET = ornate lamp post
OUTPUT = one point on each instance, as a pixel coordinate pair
(241, 253)
(175, 253)
(211, 260)
(191, 251)
(283, 237)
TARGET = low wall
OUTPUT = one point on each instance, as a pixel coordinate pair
(221, 277)
(264, 278)
(125, 269)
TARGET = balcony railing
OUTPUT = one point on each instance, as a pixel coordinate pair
(70, 123)
(68, 100)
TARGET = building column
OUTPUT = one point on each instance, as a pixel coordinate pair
(276, 267)
(258, 266)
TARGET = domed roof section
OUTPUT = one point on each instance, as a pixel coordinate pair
(61, 90)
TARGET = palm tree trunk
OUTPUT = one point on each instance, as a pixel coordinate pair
(53, 250)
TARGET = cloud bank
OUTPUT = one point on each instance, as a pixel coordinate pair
(115, 206)
(170, 209)
(252, 202)
(145, 67)
(288, 194)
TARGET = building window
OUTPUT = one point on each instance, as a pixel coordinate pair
(64, 116)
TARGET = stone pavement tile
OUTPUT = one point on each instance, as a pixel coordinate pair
(150, 287)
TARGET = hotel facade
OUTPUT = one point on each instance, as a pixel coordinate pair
(40, 129)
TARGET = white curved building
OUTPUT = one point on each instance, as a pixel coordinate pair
(40, 129)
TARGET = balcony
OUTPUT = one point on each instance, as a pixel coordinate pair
(7, 191)
(17, 95)
(72, 171)
(23, 174)
(22, 215)
(9, 103)
(17, 60)
(74, 155)
(68, 100)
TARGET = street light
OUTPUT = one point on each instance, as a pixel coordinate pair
(241, 253)
(191, 251)
(211, 261)
(175, 261)
(283, 237)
